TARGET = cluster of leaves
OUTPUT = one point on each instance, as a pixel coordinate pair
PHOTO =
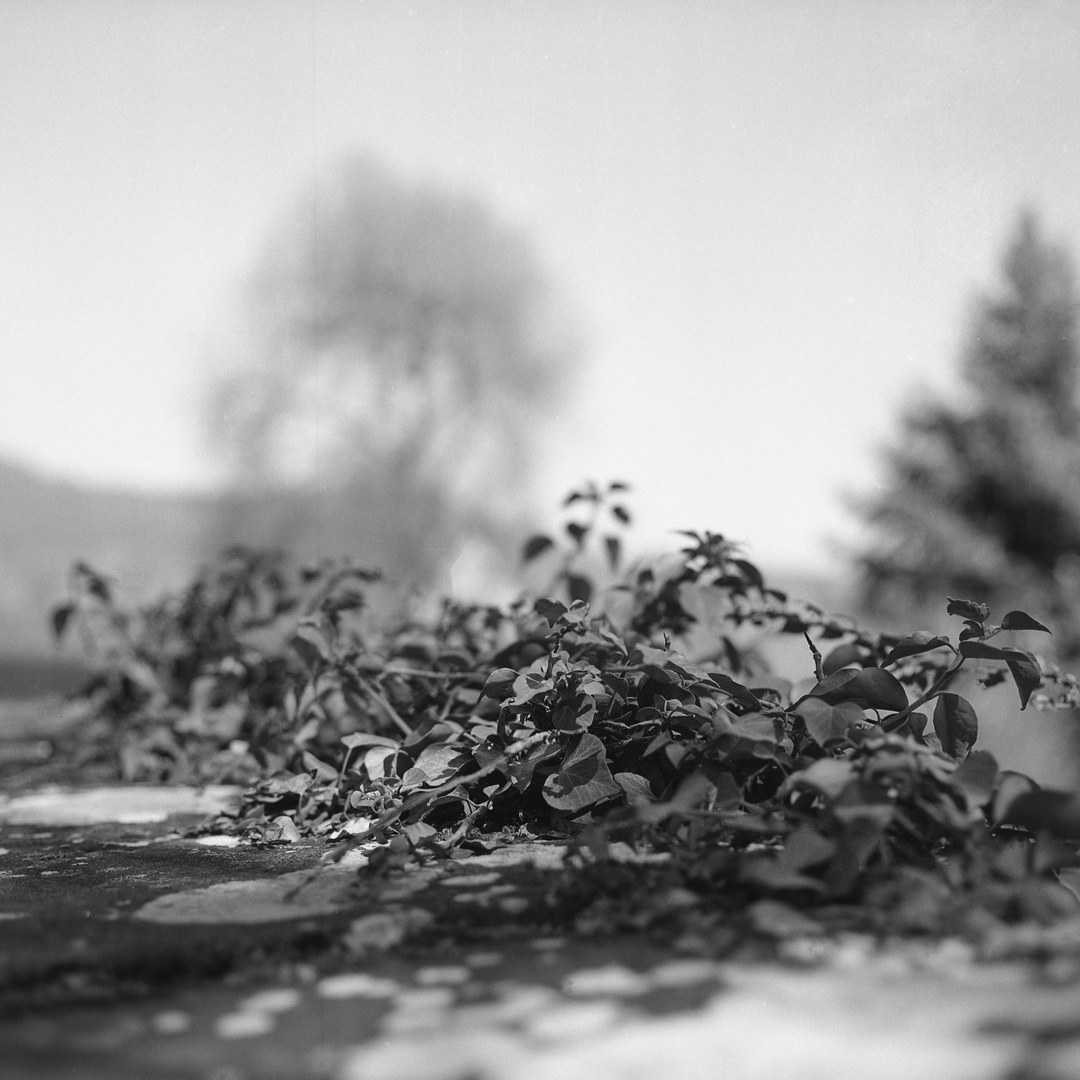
(639, 711)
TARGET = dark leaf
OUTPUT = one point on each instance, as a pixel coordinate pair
(579, 588)
(309, 644)
(968, 609)
(1027, 676)
(750, 572)
(613, 546)
(618, 485)
(500, 684)
(1011, 785)
(736, 689)
(913, 644)
(1021, 620)
(621, 513)
(841, 657)
(60, 617)
(982, 650)
(1054, 812)
(956, 724)
(552, 610)
(536, 545)
(1023, 666)
(977, 776)
(583, 779)
(871, 687)
(577, 532)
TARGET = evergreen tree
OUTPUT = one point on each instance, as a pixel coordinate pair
(982, 495)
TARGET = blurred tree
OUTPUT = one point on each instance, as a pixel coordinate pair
(982, 496)
(401, 350)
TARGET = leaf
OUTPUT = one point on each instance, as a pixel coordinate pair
(635, 787)
(956, 724)
(528, 686)
(1055, 812)
(535, 546)
(1011, 785)
(827, 723)
(375, 761)
(579, 588)
(977, 776)
(968, 609)
(60, 618)
(309, 644)
(441, 761)
(827, 776)
(500, 684)
(577, 532)
(736, 690)
(981, 650)
(913, 644)
(583, 779)
(289, 832)
(750, 572)
(1021, 620)
(550, 609)
(1024, 667)
(362, 738)
(613, 546)
(841, 657)
(320, 768)
(621, 513)
(872, 687)
(1027, 676)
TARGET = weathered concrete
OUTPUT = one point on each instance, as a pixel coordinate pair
(128, 951)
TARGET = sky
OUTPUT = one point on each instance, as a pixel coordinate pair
(770, 218)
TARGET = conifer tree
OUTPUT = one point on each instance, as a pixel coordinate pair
(982, 494)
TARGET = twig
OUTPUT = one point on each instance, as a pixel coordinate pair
(390, 710)
(818, 673)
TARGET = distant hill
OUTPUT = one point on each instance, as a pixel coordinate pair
(148, 542)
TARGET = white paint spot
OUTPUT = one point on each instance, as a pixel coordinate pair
(172, 1022)
(278, 1000)
(483, 959)
(130, 805)
(244, 1025)
(542, 856)
(13, 914)
(453, 975)
(571, 1021)
(219, 841)
(611, 979)
(675, 973)
(356, 984)
(547, 944)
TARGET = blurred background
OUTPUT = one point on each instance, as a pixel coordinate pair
(389, 279)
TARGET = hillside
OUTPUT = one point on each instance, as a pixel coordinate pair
(147, 541)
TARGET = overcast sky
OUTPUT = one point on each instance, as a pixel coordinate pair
(770, 217)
